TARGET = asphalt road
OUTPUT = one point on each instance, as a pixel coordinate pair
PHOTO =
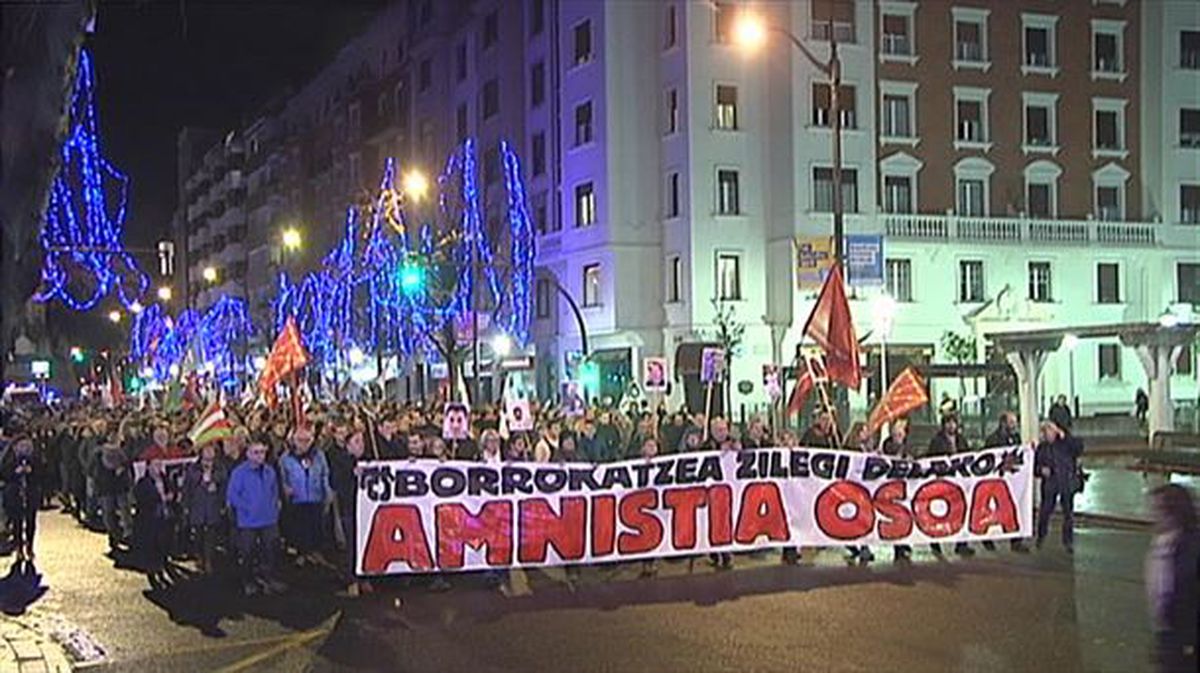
(997, 612)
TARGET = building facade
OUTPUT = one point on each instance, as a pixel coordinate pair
(1026, 163)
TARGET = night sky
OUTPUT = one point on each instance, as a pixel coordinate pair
(165, 64)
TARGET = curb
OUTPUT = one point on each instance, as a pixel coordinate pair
(23, 649)
(1113, 520)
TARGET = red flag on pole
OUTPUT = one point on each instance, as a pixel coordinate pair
(286, 358)
(832, 328)
(906, 393)
(810, 373)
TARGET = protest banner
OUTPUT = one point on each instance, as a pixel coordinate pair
(430, 516)
(654, 375)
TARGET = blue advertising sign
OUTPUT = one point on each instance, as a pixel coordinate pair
(864, 260)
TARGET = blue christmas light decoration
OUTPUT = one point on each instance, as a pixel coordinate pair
(85, 258)
(225, 324)
(149, 329)
(522, 247)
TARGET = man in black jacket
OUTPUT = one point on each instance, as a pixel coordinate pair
(949, 441)
(1056, 462)
(1007, 433)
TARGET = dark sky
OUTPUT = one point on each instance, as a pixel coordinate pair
(164, 64)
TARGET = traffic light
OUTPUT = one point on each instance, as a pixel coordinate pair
(412, 277)
(77, 355)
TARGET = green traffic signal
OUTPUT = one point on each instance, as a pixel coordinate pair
(412, 277)
(77, 355)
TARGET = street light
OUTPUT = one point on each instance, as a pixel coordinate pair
(415, 185)
(1069, 342)
(136, 307)
(502, 344)
(210, 274)
(292, 240)
(164, 293)
(750, 32)
(114, 316)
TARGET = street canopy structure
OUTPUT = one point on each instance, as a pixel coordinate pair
(1157, 345)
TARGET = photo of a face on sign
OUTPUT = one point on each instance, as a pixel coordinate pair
(654, 375)
(519, 417)
(712, 365)
(456, 423)
(572, 399)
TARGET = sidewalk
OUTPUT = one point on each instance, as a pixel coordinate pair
(24, 649)
(1120, 495)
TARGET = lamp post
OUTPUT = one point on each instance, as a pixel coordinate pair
(750, 32)
(883, 316)
(1069, 342)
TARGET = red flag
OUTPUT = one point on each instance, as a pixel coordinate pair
(286, 358)
(906, 393)
(831, 327)
(810, 374)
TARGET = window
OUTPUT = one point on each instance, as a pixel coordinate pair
(1040, 49)
(537, 84)
(971, 116)
(1189, 204)
(583, 42)
(585, 205)
(1108, 127)
(724, 15)
(670, 28)
(1040, 288)
(491, 99)
(1187, 283)
(583, 123)
(425, 75)
(970, 281)
(729, 277)
(541, 221)
(1189, 127)
(1108, 204)
(537, 17)
(822, 105)
(1110, 361)
(1108, 58)
(1108, 283)
(672, 200)
(491, 30)
(727, 192)
(970, 37)
(1039, 199)
(833, 14)
(538, 153)
(972, 197)
(726, 111)
(460, 61)
(1185, 363)
(543, 298)
(897, 194)
(1189, 49)
(671, 112)
(460, 122)
(896, 36)
(491, 166)
(591, 285)
(899, 279)
(897, 115)
(674, 278)
(823, 190)
(1041, 122)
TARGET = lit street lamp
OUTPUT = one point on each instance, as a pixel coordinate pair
(292, 240)
(164, 293)
(136, 307)
(1069, 342)
(750, 32)
(502, 344)
(114, 316)
(209, 274)
(415, 185)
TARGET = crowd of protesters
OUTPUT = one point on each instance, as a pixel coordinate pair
(271, 487)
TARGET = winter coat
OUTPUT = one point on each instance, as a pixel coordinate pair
(307, 477)
(22, 491)
(112, 472)
(943, 444)
(253, 495)
(1061, 456)
(204, 501)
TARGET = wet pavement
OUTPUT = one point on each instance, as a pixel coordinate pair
(999, 611)
(1115, 491)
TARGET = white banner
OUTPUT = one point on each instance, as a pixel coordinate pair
(430, 516)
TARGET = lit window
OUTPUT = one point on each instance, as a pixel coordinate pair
(1189, 204)
(823, 105)
(585, 205)
(899, 279)
(727, 192)
(726, 112)
(583, 123)
(1040, 286)
(970, 281)
(729, 277)
(823, 190)
(591, 285)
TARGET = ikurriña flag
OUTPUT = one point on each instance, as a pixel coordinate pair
(808, 376)
(906, 393)
(832, 328)
(211, 426)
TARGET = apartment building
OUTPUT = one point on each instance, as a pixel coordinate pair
(1028, 163)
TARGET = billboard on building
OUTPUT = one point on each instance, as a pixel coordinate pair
(864, 260)
(814, 258)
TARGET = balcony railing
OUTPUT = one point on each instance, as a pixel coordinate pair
(1019, 230)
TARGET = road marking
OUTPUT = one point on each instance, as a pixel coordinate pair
(288, 643)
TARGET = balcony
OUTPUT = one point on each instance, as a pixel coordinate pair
(1014, 230)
